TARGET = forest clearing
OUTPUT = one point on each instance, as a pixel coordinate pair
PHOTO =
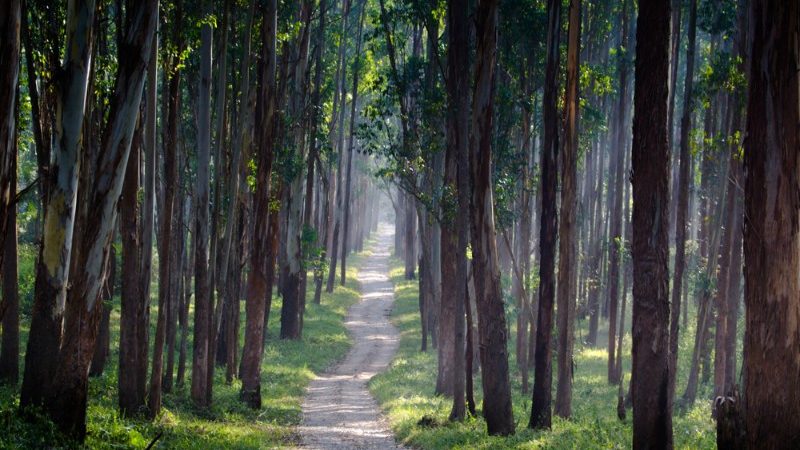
(376, 224)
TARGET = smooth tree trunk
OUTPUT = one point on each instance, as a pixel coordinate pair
(568, 245)
(683, 201)
(258, 283)
(52, 273)
(548, 234)
(202, 297)
(652, 410)
(771, 233)
(491, 316)
(66, 400)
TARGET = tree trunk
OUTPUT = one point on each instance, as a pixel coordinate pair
(455, 233)
(771, 238)
(568, 247)
(683, 203)
(9, 60)
(350, 154)
(491, 316)
(615, 242)
(9, 308)
(548, 233)
(67, 398)
(258, 283)
(652, 410)
(132, 318)
(293, 257)
(202, 296)
(103, 346)
(52, 273)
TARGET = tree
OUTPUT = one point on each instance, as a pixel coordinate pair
(293, 179)
(455, 231)
(66, 399)
(567, 261)
(683, 201)
(59, 217)
(203, 308)
(771, 235)
(615, 229)
(652, 409)
(548, 233)
(9, 60)
(491, 316)
(257, 280)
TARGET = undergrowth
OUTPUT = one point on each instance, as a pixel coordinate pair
(419, 418)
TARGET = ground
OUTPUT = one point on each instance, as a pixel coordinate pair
(339, 412)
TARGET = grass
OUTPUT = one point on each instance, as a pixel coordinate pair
(406, 394)
(287, 368)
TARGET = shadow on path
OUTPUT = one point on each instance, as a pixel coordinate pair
(338, 411)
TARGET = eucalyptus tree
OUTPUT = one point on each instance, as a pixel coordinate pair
(652, 408)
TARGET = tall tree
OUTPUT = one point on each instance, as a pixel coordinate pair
(615, 230)
(489, 297)
(683, 200)
(652, 410)
(567, 261)
(202, 298)
(548, 233)
(257, 278)
(293, 189)
(66, 399)
(771, 233)
(59, 217)
(455, 231)
(9, 60)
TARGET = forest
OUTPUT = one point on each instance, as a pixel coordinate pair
(400, 224)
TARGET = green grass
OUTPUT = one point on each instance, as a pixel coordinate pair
(406, 394)
(287, 368)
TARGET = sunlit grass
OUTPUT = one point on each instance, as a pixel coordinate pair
(288, 367)
(406, 394)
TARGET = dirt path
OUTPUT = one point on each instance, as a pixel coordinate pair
(338, 411)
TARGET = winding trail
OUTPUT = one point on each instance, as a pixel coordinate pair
(338, 411)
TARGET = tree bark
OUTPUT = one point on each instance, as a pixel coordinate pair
(771, 235)
(652, 410)
(491, 316)
(683, 202)
(9, 308)
(202, 297)
(258, 281)
(568, 248)
(66, 400)
(9, 60)
(548, 233)
(52, 276)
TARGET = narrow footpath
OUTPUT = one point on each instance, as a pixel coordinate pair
(338, 411)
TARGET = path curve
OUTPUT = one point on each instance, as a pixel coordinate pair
(339, 412)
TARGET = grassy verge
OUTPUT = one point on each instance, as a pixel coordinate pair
(405, 393)
(287, 368)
